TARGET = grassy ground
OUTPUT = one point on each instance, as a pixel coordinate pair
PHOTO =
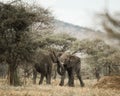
(55, 90)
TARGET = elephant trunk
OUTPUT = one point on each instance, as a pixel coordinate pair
(60, 68)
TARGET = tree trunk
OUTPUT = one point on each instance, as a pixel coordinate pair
(109, 69)
(13, 78)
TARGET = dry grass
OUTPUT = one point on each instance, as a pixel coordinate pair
(112, 82)
(55, 90)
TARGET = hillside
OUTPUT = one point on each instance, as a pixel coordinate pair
(76, 31)
(82, 32)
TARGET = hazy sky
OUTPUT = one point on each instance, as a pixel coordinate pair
(79, 12)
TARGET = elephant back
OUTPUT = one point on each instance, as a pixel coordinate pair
(45, 56)
(40, 55)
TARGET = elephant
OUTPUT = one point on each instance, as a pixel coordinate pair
(54, 71)
(43, 65)
(72, 64)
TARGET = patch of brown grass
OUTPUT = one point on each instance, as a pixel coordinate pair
(55, 90)
(112, 82)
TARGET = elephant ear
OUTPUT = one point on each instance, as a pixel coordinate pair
(73, 60)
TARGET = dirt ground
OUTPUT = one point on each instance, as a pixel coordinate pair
(55, 90)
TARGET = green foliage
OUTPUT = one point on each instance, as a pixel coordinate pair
(112, 59)
(16, 44)
(61, 42)
(99, 53)
(14, 38)
(91, 47)
(14, 32)
(111, 25)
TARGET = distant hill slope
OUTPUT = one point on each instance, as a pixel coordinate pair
(77, 31)
(82, 32)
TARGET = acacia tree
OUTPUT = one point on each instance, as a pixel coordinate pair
(59, 42)
(16, 44)
(98, 53)
(110, 23)
(111, 63)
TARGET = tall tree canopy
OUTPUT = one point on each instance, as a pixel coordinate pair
(16, 44)
(99, 54)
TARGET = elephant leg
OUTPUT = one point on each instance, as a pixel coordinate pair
(55, 74)
(80, 78)
(70, 77)
(34, 76)
(48, 78)
(62, 80)
(41, 79)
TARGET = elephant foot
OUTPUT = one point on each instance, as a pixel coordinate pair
(71, 85)
(40, 83)
(82, 85)
(48, 83)
(61, 84)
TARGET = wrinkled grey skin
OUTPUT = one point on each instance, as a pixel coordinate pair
(44, 65)
(72, 65)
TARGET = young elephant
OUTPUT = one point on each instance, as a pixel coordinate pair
(72, 65)
(44, 62)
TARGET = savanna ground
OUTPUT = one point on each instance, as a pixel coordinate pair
(55, 90)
